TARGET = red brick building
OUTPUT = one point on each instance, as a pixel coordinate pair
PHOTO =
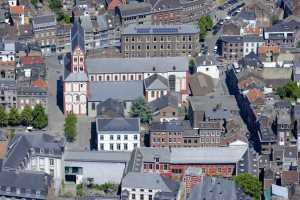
(222, 161)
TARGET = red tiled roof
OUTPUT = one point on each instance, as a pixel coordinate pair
(17, 10)
(40, 84)
(254, 94)
(243, 84)
(31, 60)
(264, 49)
(115, 3)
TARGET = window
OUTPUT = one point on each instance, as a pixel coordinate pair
(100, 78)
(116, 78)
(172, 80)
(135, 145)
(132, 77)
(111, 137)
(125, 137)
(125, 146)
(118, 137)
(51, 162)
(150, 197)
(150, 166)
(107, 78)
(154, 39)
(157, 167)
(52, 172)
(124, 77)
(101, 137)
(141, 197)
(111, 146)
(101, 146)
(81, 60)
(156, 159)
(140, 77)
(93, 106)
(132, 196)
(152, 94)
(165, 167)
(118, 146)
(135, 137)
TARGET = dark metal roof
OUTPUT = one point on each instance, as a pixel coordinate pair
(77, 36)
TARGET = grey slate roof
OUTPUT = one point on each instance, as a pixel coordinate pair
(160, 29)
(86, 23)
(77, 77)
(77, 36)
(228, 154)
(118, 125)
(232, 39)
(211, 188)
(25, 180)
(284, 26)
(97, 156)
(31, 91)
(175, 126)
(156, 82)
(247, 15)
(149, 181)
(163, 102)
(208, 103)
(135, 65)
(24, 143)
(44, 21)
(120, 90)
(132, 9)
(110, 106)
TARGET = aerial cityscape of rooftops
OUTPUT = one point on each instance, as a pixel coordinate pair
(150, 99)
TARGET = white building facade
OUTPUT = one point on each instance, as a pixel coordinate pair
(118, 134)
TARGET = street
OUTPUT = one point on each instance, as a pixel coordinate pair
(55, 112)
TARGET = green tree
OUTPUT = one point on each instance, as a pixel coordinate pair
(205, 23)
(140, 108)
(249, 184)
(13, 117)
(274, 19)
(298, 44)
(280, 92)
(3, 117)
(202, 27)
(70, 127)
(209, 22)
(192, 66)
(26, 116)
(34, 3)
(55, 5)
(39, 117)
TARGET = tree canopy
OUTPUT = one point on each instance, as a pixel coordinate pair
(249, 184)
(40, 119)
(13, 117)
(205, 23)
(55, 5)
(140, 108)
(26, 116)
(192, 66)
(289, 90)
(70, 127)
(3, 117)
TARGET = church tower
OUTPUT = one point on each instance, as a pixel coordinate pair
(76, 82)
